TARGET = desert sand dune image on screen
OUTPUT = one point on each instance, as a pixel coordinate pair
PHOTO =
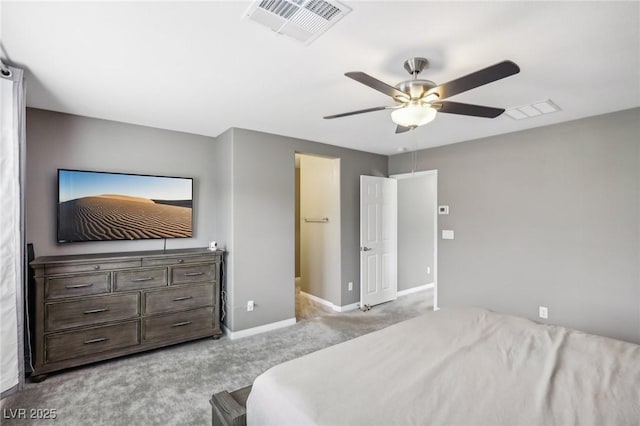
(120, 217)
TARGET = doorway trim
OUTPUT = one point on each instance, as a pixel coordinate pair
(325, 291)
(435, 227)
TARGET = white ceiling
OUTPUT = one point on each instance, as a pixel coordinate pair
(198, 67)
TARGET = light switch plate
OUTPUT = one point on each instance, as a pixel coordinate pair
(543, 312)
(447, 234)
(443, 209)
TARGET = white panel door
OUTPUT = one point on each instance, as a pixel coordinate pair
(378, 240)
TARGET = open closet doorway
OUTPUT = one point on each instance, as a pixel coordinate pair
(418, 233)
(317, 235)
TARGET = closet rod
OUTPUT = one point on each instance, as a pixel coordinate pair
(316, 219)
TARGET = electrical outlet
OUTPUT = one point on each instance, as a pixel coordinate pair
(350, 286)
(543, 312)
(250, 305)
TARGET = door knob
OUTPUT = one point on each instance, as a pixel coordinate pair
(366, 248)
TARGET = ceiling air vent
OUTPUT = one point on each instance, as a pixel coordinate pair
(304, 20)
(532, 110)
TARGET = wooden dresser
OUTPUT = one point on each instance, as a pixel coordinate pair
(94, 307)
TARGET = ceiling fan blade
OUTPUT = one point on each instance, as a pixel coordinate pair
(378, 85)
(467, 109)
(361, 111)
(476, 79)
(402, 129)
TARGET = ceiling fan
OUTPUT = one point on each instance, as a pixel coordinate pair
(418, 100)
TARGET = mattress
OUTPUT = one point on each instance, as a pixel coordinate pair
(459, 366)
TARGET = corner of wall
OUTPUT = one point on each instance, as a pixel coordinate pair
(223, 164)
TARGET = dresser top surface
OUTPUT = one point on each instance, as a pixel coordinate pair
(93, 257)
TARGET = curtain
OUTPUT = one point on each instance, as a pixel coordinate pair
(12, 264)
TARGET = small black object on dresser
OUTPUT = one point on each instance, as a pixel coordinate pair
(98, 306)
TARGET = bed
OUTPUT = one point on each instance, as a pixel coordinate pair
(456, 366)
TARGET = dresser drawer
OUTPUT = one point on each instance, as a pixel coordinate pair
(61, 268)
(74, 344)
(77, 285)
(178, 298)
(93, 310)
(178, 324)
(192, 273)
(139, 278)
(167, 261)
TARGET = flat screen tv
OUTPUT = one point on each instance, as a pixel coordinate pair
(104, 206)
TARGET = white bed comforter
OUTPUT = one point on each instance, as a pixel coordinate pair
(456, 366)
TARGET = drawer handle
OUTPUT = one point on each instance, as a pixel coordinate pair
(193, 274)
(101, 339)
(181, 324)
(79, 285)
(95, 311)
(177, 299)
(180, 260)
(137, 280)
(96, 267)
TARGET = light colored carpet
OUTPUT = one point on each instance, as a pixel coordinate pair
(172, 386)
(307, 308)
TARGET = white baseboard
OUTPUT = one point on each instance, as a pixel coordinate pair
(257, 330)
(334, 307)
(345, 308)
(416, 289)
(291, 321)
(317, 299)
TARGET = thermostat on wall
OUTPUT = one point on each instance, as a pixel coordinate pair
(443, 209)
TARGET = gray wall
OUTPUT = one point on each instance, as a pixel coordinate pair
(547, 216)
(56, 140)
(243, 198)
(416, 231)
(264, 229)
(222, 165)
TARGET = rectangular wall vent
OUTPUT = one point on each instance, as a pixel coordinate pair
(304, 20)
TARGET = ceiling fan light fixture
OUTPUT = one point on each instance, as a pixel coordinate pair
(414, 114)
(430, 97)
(417, 100)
